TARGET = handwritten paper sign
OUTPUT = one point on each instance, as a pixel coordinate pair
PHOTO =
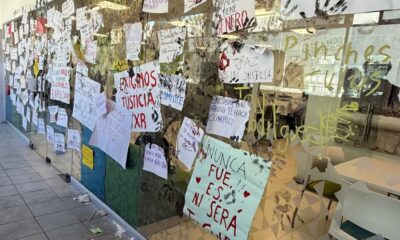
(112, 133)
(133, 40)
(233, 15)
(142, 95)
(53, 113)
(81, 18)
(41, 126)
(173, 89)
(60, 86)
(67, 8)
(87, 157)
(84, 106)
(59, 142)
(225, 189)
(50, 133)
(62, 118)
(74, 139)
(190, 4)
(155, 6)
(172, 42)
(228, 117)
(247, 64)
(101, 104)
(188, 142)
(299, 9)
(154, 161)
(91, 52)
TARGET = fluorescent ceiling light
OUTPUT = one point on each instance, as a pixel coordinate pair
(111, 5)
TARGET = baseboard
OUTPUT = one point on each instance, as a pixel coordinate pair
(25, 138)
(100, 204)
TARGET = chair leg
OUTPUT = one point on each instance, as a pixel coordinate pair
(329, 207)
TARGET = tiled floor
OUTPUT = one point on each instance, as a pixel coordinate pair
(36, 204)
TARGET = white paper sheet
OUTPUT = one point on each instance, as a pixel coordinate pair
(155, 6)
(62, 118)
(53, 113)
(59, 142)
(60, 90)
(172, 42)
(41, 126)
(190, 4)
(154, 161)
(50, 133)
(84, 106)
(249, 64)
(133, 40)
(91, 52)
(173, 89)
(188, 142)
(141, 95)
(74, 139)
(112, 133)
(228, 117)
(68, 8)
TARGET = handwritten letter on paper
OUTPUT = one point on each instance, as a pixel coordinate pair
(173, 89)
(172, 42)
(154, 161)
(133, 40)
(188, 142)
(155, 6)
(141, 94)
(112, 133)
(74, 140)
(60, 86)
(84, 105)
(228, 117)
(225, 189)
(245, 64)
(233, 15)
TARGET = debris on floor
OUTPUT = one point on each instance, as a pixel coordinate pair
(96, 230)
(83, 198)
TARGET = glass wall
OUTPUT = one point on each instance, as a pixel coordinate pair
(335, 84)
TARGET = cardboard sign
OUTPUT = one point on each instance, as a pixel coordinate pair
(84, 106)
(173, 89)
(190, 4)
(225, 189)
(172, 42)
(188, 142)
(133, 40)
(247, 64)
(141, 94)
(154, 161)
(59, 142)
(299, 9)
(228, 117)
(233, 15)
(112, 133)
(87, 157)
(74, 139)
(155, 6)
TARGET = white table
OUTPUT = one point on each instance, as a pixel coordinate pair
(378, 174)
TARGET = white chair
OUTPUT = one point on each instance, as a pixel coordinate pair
(371, 211)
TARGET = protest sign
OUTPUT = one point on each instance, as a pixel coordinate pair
(225, 189)
(233, 15)
(60, 86)
(245, 64)
(50, 133)
(84, 106)
(59, 142)
(133, 40)
(67, 8)
(141, 94)
(154, 161)
(74, 139)
(299, 9)
(62, 118)
(173, 89)
(188, 142)
(112, 133)
(190, 4)
(91, 52)
(228, 117)
(155, 6)
(172, 42)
